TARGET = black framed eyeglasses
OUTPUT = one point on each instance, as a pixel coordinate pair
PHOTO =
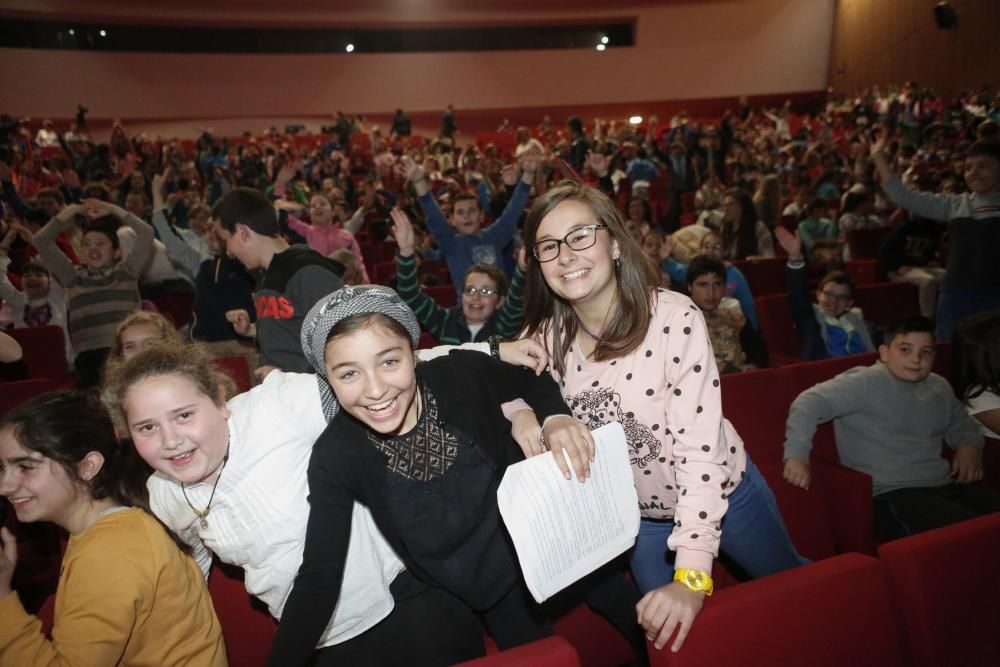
(484, 291)
(580, 238)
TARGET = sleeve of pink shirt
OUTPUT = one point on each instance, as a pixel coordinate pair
(297, 226)
(694, 419)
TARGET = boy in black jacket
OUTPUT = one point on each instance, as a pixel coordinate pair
(291, 280)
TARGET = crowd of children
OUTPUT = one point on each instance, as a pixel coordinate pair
(354, 486)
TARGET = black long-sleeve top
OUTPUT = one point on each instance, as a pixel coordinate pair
(468, 389)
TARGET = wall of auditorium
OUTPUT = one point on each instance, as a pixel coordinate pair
(897, 40)
(718, 48)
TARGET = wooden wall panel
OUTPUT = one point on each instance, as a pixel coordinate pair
(877, 42)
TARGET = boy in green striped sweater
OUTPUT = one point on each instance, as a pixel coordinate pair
(488, 307)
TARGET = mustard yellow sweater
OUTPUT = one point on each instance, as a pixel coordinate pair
(127, 596)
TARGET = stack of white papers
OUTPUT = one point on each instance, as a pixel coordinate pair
(562, 529)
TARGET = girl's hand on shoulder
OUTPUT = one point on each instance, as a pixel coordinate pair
(568, 438)
(525, 352)
(8, 561)
(662, 610)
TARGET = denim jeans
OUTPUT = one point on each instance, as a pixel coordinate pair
(954, 306)
(753, 535)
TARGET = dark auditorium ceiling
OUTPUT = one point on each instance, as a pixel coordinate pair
(315, 13)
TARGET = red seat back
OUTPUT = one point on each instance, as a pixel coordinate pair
(382, 271)
(754, 403)
(865, 243)
(44, 352)
(947, 620)
(12, 394)
(427, 341)
(238, 369)
(179, 306)
(246, 624)
(884, 302)
(776, 326)
(444, 294)
(552, 652)
(765, 276)
(805, 512)
(831, 613)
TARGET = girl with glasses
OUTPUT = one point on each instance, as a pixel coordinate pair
(623, 350)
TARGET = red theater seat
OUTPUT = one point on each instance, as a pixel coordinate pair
(753, 402)
(443, 294)
(831, 613)
(238, 369)
(765, 276)
(178, 307)
(382, 271)
(44, 353)
(776, 327)
(12, 394)
(246, 624)
(551, 652)
(865, 243)
(884, 302)
(427, 341)
(945, 586)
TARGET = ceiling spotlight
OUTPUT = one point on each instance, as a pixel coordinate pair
(72, 32)
(635, 120)
(349, 48)
(104, 33)
(604, 40)
(601, 47)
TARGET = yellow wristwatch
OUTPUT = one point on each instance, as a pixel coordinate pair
(696, 580)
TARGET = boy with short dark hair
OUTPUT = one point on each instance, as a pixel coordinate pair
(890, 420)
(291, 278)
(831, 327)
(736, 344)
(461, 238)
(105, 289)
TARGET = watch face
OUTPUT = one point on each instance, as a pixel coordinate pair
(695, 579)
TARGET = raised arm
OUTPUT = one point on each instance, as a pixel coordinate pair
(178, 248)
(923, 204)
(429, 312)
(511, 316)
(45, 243)
(501, 231)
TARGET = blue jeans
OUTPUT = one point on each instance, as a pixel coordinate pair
(753, 535)
(954, 306)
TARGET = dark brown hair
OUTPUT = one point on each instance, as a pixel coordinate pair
(65, 427)
(742, 241)
(837, 278)
(975, 356)
(191, 362)
(545, 313)
(494, 272)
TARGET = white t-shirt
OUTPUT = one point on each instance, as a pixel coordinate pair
(984, 402)
(259, 512)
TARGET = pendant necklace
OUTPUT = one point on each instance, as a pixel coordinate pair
(203, 514)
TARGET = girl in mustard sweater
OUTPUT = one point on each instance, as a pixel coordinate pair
(127, 594)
